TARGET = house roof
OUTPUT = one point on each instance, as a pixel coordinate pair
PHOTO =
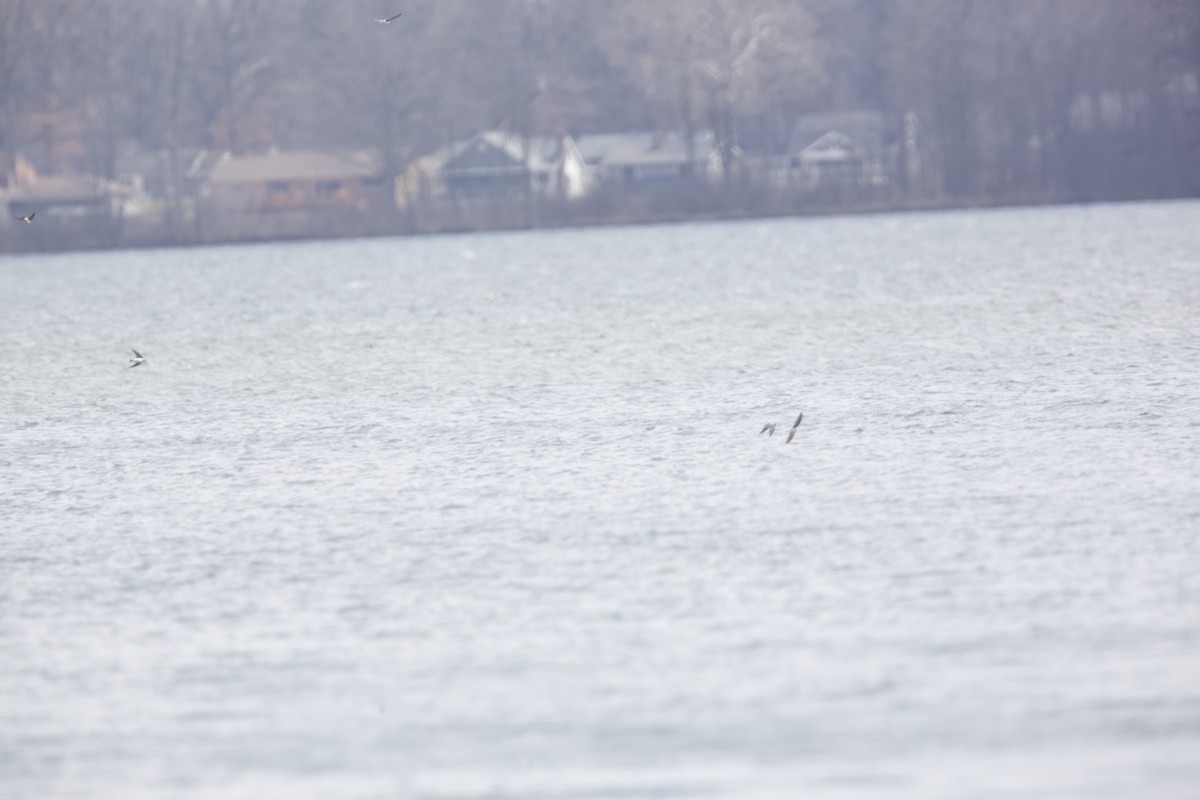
(293, 165)
(833, 146)
(498, 151)
(866, 130)
(65, 189)
(642, 148)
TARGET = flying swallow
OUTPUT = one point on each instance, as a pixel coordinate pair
(390, 19)
(792, 432)
(137, 359)
(768, 429)
(28, 218)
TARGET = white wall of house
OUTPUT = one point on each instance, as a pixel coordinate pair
(577, 180)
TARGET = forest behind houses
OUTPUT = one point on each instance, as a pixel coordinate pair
(133, 106)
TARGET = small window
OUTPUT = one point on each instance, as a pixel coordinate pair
(328, 187)
(372, 183)
(277, 186)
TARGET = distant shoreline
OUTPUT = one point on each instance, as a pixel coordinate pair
(11, 242)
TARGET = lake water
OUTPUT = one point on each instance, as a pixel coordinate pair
(490, 517)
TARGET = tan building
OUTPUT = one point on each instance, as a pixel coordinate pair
(57, 200)
(281, 181)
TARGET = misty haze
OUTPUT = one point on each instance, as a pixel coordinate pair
(564, 400)
(162, 122)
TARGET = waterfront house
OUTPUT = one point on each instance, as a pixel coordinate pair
(839, 149)
(496, 165)
(62, 198)
(289, 181)
(649, 159)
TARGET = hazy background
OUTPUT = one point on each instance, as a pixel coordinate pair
(489, 517)
(1032, 99)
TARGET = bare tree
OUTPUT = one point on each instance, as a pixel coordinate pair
(18, 53)
(1026, 99)
(716, 62)
(239, 38)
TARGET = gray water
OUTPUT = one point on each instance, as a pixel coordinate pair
(491, 516)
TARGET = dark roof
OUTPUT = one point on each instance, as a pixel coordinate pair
(497, 151)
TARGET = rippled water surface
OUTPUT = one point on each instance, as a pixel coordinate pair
(491, 517)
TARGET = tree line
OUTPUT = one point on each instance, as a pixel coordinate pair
(1056, 98)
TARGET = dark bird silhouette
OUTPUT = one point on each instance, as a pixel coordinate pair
(769, 428)
(28, 218)
(390, 19)
(792, 432)
(137, 360)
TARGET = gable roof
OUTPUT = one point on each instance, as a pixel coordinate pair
(866, 131)
(309, 165)
(833, 146)
(498, 151)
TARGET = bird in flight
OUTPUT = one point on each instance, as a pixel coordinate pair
(390, 19)
(769, 428)
(137, 359)
(795, 426)
(28, 218)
